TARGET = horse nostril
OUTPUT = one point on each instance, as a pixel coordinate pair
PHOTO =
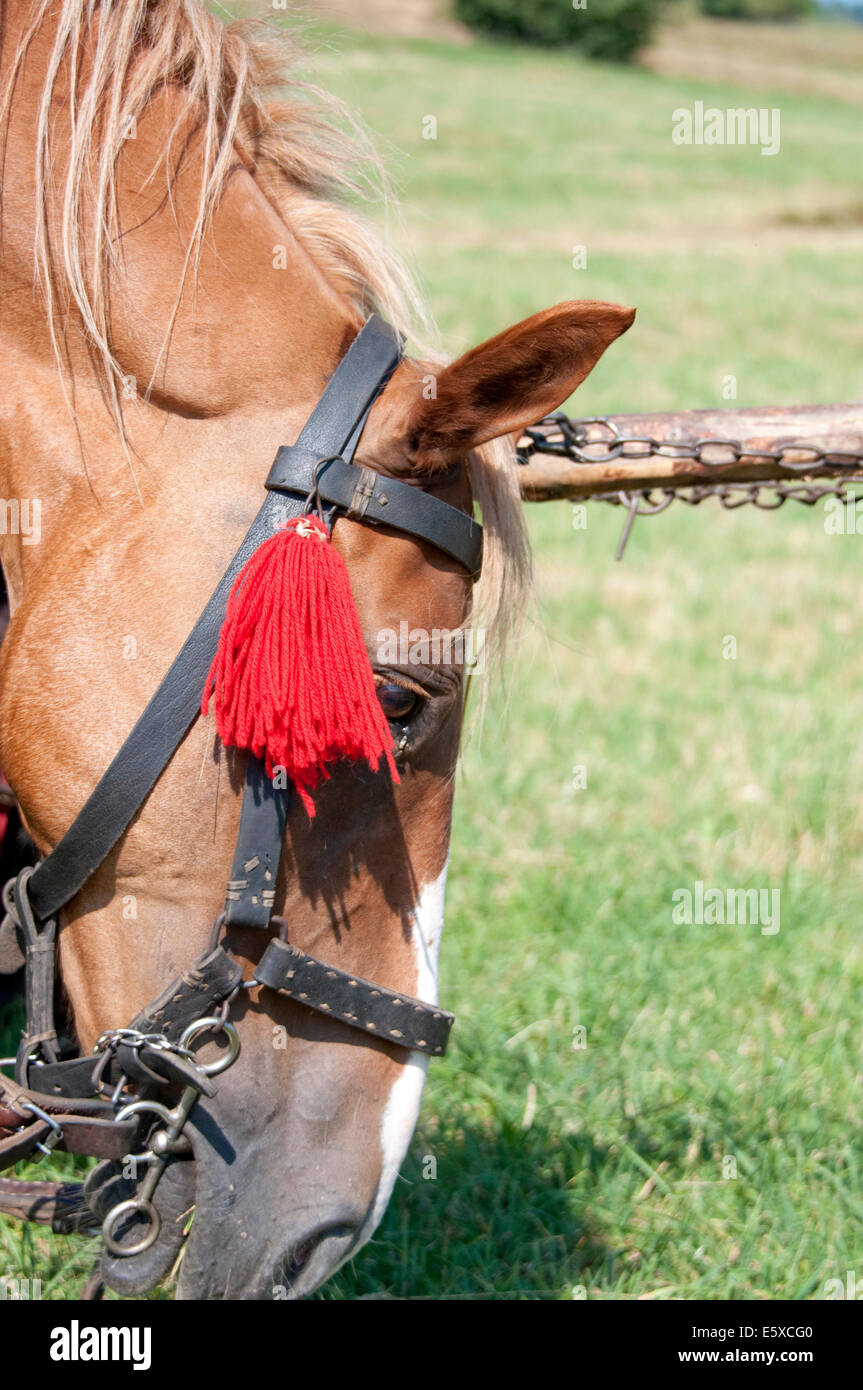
(295, 1262)
(289, 1269)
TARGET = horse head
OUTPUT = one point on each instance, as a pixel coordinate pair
(197, 282)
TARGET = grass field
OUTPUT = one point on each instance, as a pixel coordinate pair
(704, 1142)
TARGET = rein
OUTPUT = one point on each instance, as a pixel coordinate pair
(104, 1104)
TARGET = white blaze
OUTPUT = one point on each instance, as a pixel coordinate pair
(402, 1108)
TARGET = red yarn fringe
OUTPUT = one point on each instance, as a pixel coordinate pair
(291, 681)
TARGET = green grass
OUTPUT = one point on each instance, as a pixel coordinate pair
(605, 1168)
(702, 1042)
(536, 154)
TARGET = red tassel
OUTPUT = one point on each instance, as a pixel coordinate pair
(291, 680)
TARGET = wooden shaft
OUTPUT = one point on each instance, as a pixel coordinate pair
(827, 428)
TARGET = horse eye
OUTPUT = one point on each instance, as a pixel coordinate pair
(397, 703)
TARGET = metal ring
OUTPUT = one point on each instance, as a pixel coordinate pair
(144, 1208)
(204, 1025)
(144, 1107)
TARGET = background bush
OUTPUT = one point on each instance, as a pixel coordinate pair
(610, 29)
(757, 9)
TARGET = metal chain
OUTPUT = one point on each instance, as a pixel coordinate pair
(561, 437)
(112, 1038)
(564, 438)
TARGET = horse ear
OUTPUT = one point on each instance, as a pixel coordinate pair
(514, 379)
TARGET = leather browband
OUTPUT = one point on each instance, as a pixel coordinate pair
(369, 497)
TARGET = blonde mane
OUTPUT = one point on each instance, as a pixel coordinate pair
(307, 152)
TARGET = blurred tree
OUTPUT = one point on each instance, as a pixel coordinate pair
(608, 29)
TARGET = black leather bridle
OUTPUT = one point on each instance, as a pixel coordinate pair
(97, 1104)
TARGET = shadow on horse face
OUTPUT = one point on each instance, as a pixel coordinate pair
(297, 1154)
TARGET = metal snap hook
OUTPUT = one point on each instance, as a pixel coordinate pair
(142, 1207)
(217, 1025)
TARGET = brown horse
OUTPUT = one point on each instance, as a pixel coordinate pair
(180, 274)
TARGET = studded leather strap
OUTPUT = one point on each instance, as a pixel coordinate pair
(358, 1003)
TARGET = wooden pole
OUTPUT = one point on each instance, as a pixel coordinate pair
(826, 430)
